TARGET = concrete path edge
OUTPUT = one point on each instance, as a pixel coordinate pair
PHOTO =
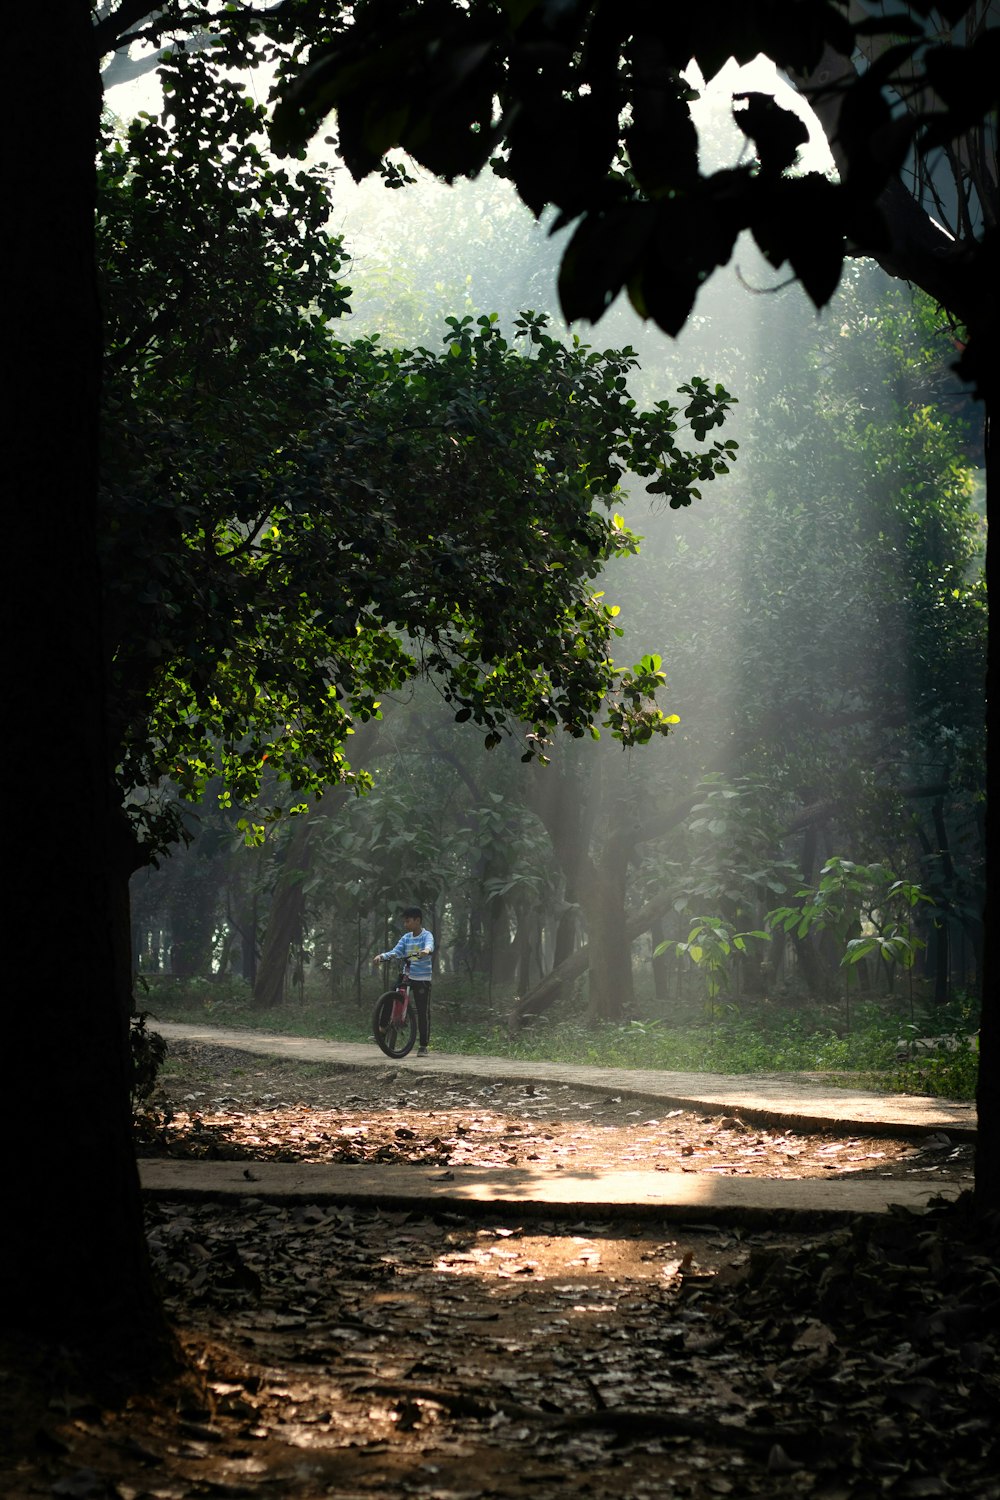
(692, 1199)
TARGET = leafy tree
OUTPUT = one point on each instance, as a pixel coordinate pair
(302, 540)
(845, 895)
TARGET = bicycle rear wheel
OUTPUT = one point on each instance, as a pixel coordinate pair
(395, 1040)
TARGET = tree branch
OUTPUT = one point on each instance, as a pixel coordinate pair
(919, 250)
(111, 31)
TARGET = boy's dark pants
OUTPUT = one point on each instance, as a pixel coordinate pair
(422, 995)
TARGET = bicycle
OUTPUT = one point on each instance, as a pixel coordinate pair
(394, 1019)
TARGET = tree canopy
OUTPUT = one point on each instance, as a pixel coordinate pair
(297, 524)
(585, 106)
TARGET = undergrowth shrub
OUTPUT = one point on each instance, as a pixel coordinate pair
(149, 1049)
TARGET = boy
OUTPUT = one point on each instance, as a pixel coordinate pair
(416, 944)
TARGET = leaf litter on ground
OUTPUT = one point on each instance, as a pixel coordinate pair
(217, 1104)
(361, 1352)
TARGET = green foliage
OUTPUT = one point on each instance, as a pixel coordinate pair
(748, 1043)
(939, 1051)
(849, 896)
(710, 944)
(217, 1000)
(846, 548)
(860, 547)
(586, 108)
(860, 906)
(219, 281)
(727, 857)
(950, 1072)
(732, 1044)
(148, 1051)
(379, 851)
(297, 526)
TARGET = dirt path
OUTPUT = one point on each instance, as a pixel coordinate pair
(225, 1104)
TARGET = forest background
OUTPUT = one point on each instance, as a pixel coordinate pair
(802, 857)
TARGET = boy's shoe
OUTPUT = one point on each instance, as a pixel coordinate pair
(422, 1051)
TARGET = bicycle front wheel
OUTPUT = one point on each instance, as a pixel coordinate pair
(395, 1040)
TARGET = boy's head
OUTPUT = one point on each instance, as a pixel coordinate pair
(413, 919)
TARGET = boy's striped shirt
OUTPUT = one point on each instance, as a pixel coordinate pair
(409, 946)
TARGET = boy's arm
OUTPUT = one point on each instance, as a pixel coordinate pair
(396, 952)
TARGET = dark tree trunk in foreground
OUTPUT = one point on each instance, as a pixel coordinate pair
(73, 1262)
(988, 1092)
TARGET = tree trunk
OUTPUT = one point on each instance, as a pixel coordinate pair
(73, 1259)
(246, 922)
(287, 915)
(987, 1191)
(192, 913)
(602, 895)
(528, 943)
(565, 805)
(502, 950)
(566, 928)
(942, 966)
(285, 922)
(547, 991)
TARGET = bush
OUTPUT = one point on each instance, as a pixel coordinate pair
(945, 1074)
(149, 1050)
